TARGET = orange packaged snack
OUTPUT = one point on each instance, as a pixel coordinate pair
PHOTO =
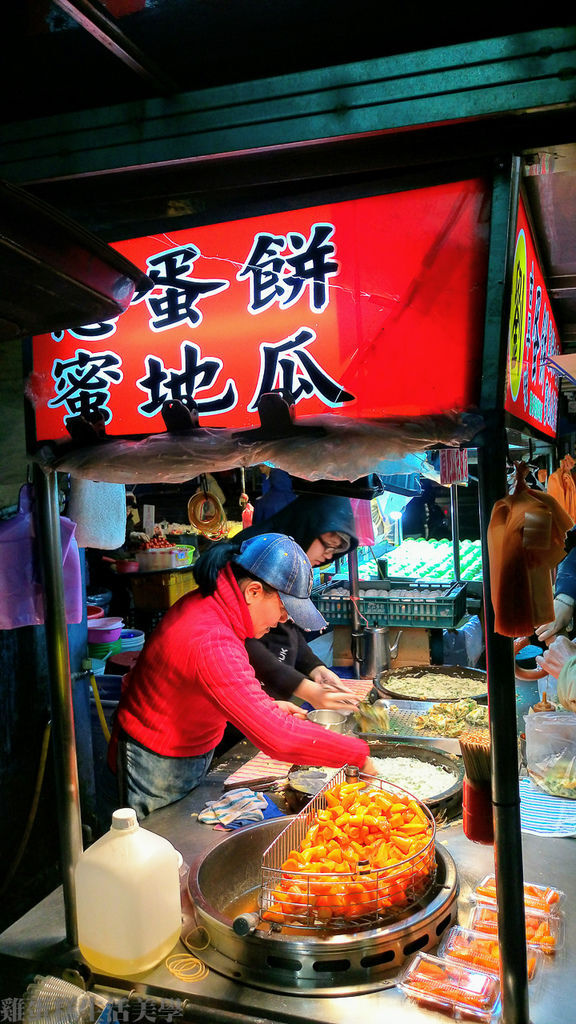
(544, 931)
(451, 988)
(481, 951)
(542, 898)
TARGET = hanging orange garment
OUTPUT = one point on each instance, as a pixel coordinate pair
(561, 485)
(526, 537)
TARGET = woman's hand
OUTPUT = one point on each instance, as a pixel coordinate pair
(369, 767)
(554, 659)
(326, 696)
(335, 700)
(291, 709)
(327, 678)
(562, 615)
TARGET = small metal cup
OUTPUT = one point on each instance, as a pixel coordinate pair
(333, 720)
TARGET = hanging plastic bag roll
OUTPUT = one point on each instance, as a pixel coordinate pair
(21, 596)
(526, 537)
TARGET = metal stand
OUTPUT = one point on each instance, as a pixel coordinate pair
(504, 762)
(64, 742)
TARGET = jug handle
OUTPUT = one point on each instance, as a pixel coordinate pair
(394, 646)
(526, 673)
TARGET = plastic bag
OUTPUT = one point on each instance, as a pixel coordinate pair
(463, 646)
(345, 449)
(526, 537)
(551, 751)
(21, 594)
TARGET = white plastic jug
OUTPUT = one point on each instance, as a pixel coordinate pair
(128, 898)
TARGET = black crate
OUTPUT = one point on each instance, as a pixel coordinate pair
(401, 602)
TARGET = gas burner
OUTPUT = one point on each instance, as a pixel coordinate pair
(225, 883)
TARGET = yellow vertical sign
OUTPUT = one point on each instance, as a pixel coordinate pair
(516, 326)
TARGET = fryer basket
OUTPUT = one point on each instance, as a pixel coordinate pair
(366, 897)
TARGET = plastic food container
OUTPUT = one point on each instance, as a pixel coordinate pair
(105, 630)
(545, 931)
(451, 988)
(481, 951)
(544, 899)
(94, 611)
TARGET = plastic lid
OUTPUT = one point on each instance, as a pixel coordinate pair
(124, 819)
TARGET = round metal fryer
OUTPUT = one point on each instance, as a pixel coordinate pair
(225, 883)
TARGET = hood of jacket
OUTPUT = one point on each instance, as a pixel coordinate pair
(306, 518)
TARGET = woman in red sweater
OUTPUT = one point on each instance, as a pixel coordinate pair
(194, 676)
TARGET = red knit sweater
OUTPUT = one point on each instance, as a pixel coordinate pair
(194, 675)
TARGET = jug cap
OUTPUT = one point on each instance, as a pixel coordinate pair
(124, 818)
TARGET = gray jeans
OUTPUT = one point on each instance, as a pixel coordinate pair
(148, 781)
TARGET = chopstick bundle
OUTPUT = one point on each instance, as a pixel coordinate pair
(477, 810)
(475, 750)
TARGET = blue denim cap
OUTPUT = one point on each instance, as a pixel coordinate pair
(281, 562)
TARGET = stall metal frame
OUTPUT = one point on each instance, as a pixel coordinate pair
(300, 110)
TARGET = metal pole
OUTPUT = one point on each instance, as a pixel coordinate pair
(504, 761)
(64, 743)
(455, 529)
(354, 594)
(492, 486)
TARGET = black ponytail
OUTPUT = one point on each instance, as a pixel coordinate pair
(214, 559)
(210, 565)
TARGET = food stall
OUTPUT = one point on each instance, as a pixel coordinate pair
(342, 444)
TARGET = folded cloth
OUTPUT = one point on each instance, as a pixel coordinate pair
(239, 803)
(238, 808)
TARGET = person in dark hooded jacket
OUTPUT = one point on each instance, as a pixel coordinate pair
(323, 525)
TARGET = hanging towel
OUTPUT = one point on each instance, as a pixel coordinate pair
(21, 595)
(561, 486)
(99, 511)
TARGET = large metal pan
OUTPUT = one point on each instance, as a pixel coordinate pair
(304, 783)
(447, 800)
(389, 683)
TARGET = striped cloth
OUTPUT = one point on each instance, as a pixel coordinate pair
(240, 804)
(544, 815)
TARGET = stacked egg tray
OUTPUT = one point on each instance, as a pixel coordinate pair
(394, 602)
(463, 980)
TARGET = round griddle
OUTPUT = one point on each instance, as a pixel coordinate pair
(389, 683)
(304, 783)
(447, 800)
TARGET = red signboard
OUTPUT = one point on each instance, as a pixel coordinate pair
(367, 308)
(531, 385)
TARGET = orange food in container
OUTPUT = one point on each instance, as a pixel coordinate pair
(543, 898)
(454, 989)
(544, 931)
(481, 951)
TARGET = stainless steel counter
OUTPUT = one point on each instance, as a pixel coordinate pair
(39, 936)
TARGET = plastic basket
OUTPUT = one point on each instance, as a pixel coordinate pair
(434, 605)
(161, 590)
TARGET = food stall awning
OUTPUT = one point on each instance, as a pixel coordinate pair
(55, 275)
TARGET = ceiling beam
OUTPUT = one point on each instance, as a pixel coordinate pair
(104, 29)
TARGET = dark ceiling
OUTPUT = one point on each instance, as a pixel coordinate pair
(75, 55)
